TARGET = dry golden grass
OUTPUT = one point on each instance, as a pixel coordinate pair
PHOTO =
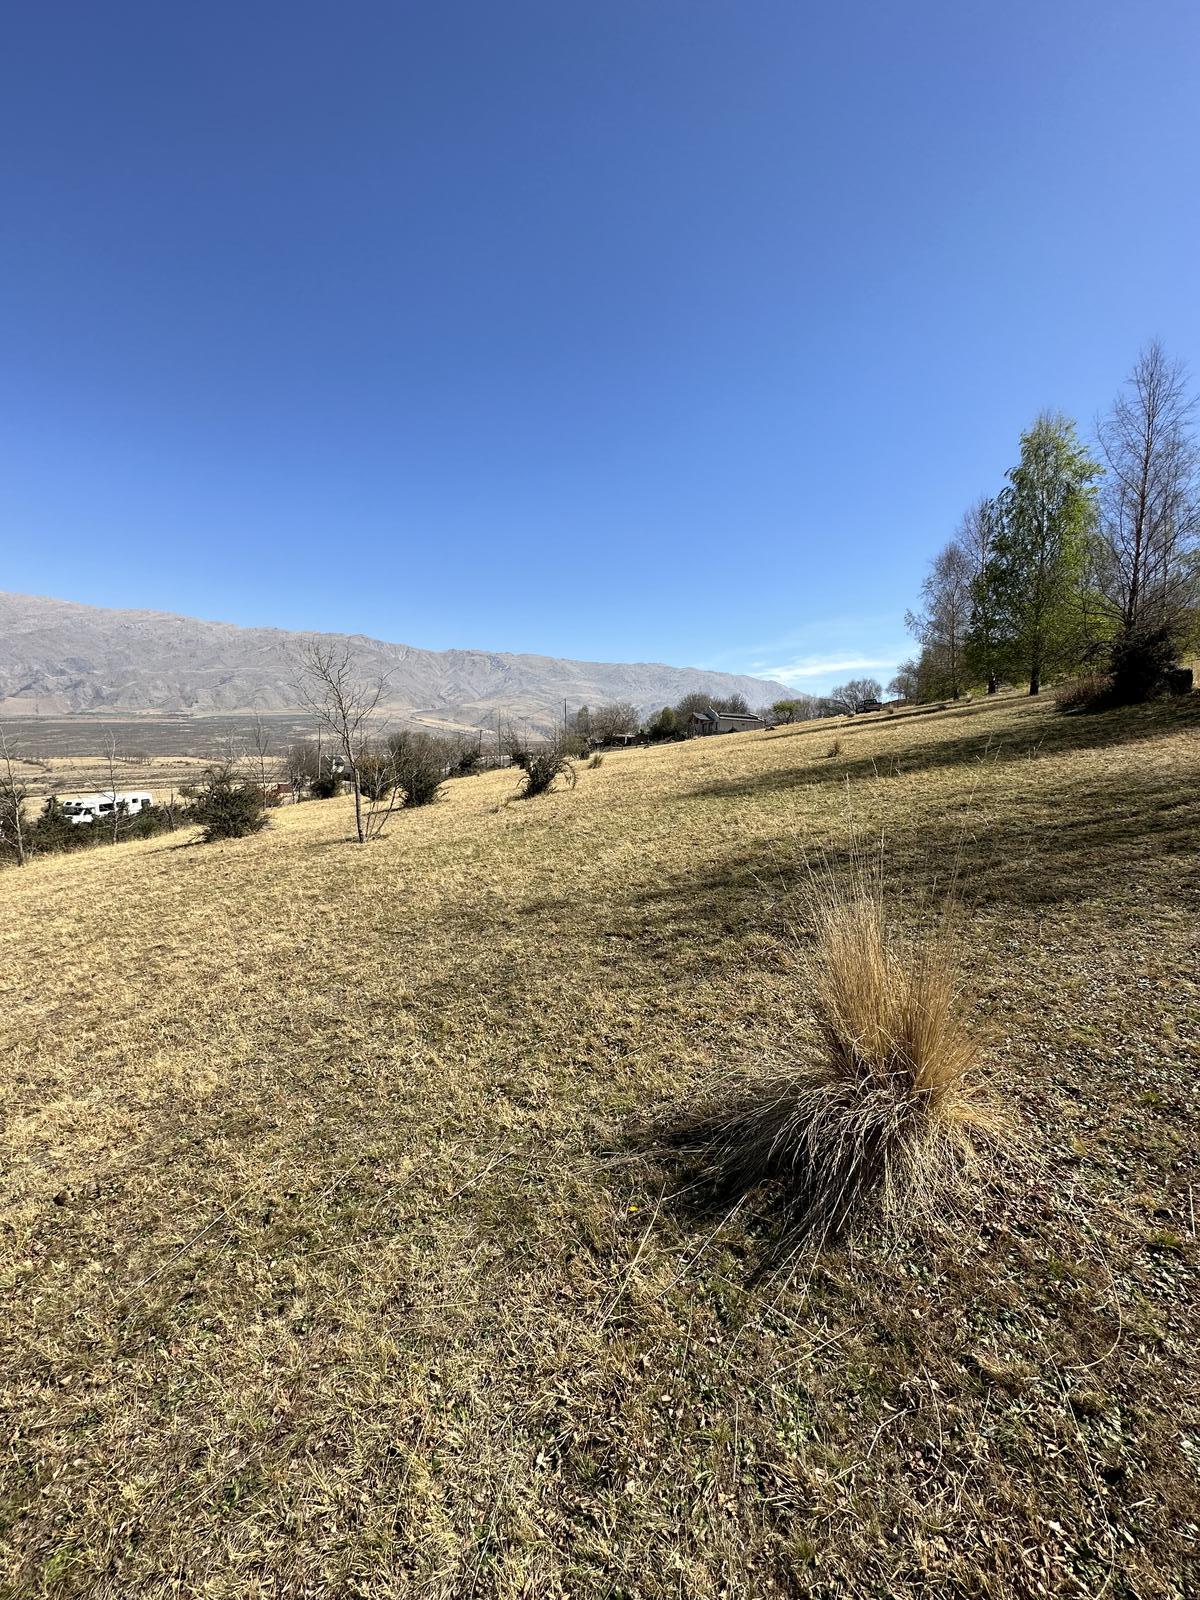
(322, 1274)
(868, 1111)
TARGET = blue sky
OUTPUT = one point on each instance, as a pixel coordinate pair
(643, 330)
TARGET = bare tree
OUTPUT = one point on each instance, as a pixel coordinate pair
(733, 704)
(848, 697)
(13, 793)
(343, 704)
(380, 775)
(261, 744)
(906, 685)
(1150, 500)
(607, 723)
(943, 625)
(111, 757)
(302, 763)
(231, 748)
(692, 702)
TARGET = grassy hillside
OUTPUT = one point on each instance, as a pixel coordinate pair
(336, 1260)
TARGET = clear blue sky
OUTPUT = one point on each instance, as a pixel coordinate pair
(633, 329)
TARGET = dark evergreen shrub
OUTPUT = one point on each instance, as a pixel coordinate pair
(228, 808)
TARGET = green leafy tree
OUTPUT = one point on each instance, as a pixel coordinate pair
(1034, 578)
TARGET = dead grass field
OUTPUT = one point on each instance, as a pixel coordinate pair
(336, 1262)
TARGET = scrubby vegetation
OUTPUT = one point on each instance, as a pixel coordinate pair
(421, 763)
(228, 805)
(544, 762)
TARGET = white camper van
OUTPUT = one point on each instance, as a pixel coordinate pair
(89, 807)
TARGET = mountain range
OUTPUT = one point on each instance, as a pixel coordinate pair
(59, 657)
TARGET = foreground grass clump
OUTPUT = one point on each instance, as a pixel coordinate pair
(877, 1115)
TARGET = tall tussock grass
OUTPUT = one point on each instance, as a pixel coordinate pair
(873, 1114)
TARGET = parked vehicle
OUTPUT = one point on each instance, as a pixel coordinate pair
(89, 807)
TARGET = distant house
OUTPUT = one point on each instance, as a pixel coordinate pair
(710, 721)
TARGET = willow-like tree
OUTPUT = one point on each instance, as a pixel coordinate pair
(1046, 515)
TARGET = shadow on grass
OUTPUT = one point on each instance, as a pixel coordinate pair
(1124, 846)
(1126, 726)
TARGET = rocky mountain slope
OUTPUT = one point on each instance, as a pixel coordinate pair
(57, 657)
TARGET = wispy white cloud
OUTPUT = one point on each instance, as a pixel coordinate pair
(825, 668)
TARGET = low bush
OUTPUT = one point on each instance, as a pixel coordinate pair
(156, 819)
(326, 787)
(466, 758)
(419, 764)
(1140, 665)
(835, 750)
(542, 764)
(597, 760)
(226, 807)
(53, 831)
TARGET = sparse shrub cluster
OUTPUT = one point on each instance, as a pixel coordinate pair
(52, 832)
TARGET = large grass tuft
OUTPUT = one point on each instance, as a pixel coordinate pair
(875, 1115)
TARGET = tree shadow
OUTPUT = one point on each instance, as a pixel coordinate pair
(1057, 845)
(1127, 725)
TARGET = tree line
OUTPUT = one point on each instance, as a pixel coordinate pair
(1087, 559)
